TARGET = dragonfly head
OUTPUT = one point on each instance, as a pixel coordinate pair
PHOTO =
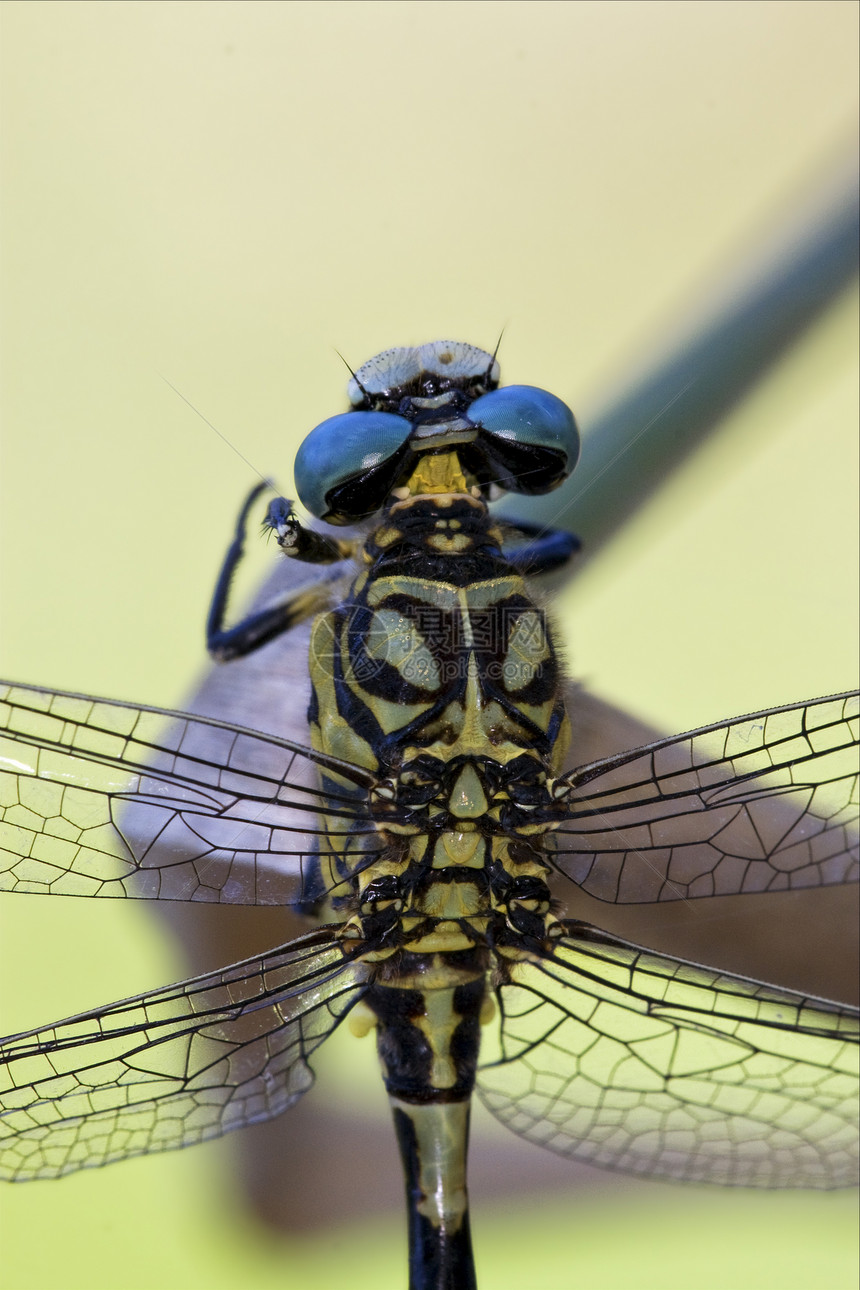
(440, 398)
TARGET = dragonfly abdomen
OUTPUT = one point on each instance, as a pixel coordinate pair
(428, 1010)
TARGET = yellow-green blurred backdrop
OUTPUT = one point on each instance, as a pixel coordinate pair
(221, 194)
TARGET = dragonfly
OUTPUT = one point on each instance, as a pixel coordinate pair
(430, 828)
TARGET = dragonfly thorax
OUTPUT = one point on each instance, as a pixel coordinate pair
(442, 671)
(498, 795)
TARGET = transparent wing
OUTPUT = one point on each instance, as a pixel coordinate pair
(635, 1061)
(172, 1067)
(102, 798)
(767, 802)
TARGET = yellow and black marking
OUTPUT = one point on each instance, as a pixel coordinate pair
(438, 675)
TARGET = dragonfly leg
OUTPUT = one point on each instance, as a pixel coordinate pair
(550, 549)
(300, 543)
(263, 625)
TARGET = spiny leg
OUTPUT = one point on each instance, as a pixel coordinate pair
(262, 626)
(550, 548)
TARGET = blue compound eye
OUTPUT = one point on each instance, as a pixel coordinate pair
(529, 436)
(344, 466)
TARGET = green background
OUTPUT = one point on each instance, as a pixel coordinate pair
(222, 194)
